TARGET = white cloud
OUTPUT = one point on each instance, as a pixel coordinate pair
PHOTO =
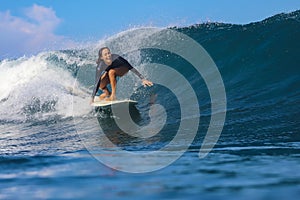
(30, 34)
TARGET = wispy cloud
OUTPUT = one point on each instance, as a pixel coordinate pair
(30, 34)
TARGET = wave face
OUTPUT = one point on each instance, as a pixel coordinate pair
(258, 62)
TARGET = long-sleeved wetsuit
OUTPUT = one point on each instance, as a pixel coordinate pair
(117, 61)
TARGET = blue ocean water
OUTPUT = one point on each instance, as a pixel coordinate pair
(51, 143)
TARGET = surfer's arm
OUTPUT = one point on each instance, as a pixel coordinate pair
(96, 87)
(99, 74)
(136, 72)
(145, 82)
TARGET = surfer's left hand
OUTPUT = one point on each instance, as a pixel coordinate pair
(146, 83)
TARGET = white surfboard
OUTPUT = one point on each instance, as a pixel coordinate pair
(104, 103)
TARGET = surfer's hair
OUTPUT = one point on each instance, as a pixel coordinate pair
(100, 54)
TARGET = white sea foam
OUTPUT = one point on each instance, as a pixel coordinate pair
(33, 86)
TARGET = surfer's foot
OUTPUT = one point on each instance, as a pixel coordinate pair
(111, 98)
(102, 96)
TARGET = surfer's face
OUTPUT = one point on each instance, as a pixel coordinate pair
(106, 56)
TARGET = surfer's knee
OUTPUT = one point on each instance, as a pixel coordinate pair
(103, 87)
(121, 71)
(112, 73)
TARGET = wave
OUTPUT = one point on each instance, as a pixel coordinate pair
(258, 63)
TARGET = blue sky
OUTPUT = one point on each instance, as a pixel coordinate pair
(30, 26)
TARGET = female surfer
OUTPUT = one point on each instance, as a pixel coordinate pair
(109, 67)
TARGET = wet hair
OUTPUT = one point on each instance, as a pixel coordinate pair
(100, 54)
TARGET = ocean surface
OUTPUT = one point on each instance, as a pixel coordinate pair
(54, 145)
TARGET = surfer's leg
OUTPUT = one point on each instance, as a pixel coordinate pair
(106, 93)
(113, 83)
(112, 74)
(103, 86)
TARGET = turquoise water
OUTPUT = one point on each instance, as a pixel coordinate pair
(50, 140)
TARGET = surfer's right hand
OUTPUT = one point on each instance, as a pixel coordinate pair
(92, 101)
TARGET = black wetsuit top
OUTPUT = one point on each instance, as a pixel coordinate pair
(117, 61)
